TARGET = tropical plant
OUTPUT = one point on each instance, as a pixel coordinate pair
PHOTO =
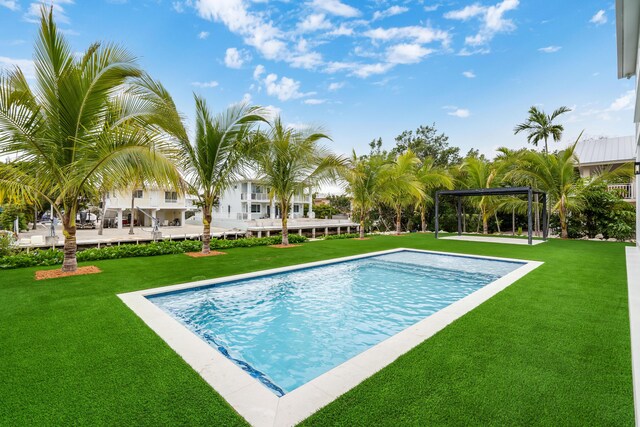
(363, 178)
(400, 184)
(479, 173)
(216, 156)
(431, 177)
(89, 118)
(289, 160)
(540, 127)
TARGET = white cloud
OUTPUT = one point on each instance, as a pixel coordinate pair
(203, 35)
(406, 53)
(335, 86)
(26, 65)
(364, 71)
(342, 30)
(550, 49)
(10, 4)
(432, 8)
(285, 89)
(235, 58)
(314, 101)
(492, 20)
(258, 71)
(392, 11)
(469, 74)
(33, 12)
(336, 7)
(205, 85)
(599, 18)
(417, 34)
(460, 112)
(314, 22)
(626, 101)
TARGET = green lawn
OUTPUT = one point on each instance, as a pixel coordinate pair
(551, 349)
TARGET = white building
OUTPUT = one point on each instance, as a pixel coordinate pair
(166, 205)
(249, 200)
(607, 154)
(628, 33)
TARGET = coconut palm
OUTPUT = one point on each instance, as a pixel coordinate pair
(213, 162)
(431, 177)
(88, 118)
(479, 173)
(540, 127)
(289, 160)
(363, 178)
(401, 186)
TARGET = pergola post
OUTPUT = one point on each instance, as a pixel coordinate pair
(529, 218)
(545, 219)
(459, 211)
(437, 224)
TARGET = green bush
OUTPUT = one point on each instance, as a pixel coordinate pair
(8, 214)
(341, 236)
(55, 256)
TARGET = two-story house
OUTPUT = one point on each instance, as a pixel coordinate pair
(168, 206)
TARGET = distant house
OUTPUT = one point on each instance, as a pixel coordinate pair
(600, 154)
(168, 206)
(248, 199)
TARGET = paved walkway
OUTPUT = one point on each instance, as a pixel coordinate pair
(489, 239)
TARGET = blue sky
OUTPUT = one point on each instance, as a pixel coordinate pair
(366, 69)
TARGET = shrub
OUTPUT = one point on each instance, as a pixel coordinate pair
(165, 247)
(341, 236)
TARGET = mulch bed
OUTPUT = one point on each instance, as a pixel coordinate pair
(54, 274)
(200, 254)
(283, 246)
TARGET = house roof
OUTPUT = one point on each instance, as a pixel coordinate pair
(627, 20)
(606, 150)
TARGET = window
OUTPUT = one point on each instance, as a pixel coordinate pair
(255, 208)
(228, 208)
(170, 197)
(296, 208)
(137, 194)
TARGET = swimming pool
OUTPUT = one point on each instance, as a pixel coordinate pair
(280, 344)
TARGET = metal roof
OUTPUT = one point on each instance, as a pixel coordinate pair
(606, 150)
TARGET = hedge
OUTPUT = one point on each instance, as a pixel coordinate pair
(46, 257)
(341, 236)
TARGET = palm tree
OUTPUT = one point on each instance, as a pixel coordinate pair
(88, 119)
(431, 177)
(215, 158)
(401, 185)
(540, 127)
(363, 178)
(479, 173)
(289, 161)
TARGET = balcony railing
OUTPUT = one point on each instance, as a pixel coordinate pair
(254, 196)
(242, 215)
(626, 191)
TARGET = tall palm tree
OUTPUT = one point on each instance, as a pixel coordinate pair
(289, 160)
(88, 118)
(216, 156)
(401, 185)
(431, 177)
(479, 173)
(540, 127)
(364, 184)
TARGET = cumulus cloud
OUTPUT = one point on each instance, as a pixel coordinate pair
(336, 7)
(10, 4)
(406, 53)
(626, 101)
(431, 8)
(235, 58)
(203, 35)
(599, 18)
(284, 89)
(205, 85)
(26, 65)
(335, 86)
(314, 22)
(492, 20)
(550, 49)
(33, 12)
(392, 11)
(469, 74)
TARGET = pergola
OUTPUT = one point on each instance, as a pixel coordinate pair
(502, 191)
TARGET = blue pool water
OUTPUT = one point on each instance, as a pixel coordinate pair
(288, 328)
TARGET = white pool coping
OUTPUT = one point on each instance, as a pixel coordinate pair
(633, 285)
(253, 400)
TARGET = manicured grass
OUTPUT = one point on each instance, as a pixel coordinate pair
(552, 349)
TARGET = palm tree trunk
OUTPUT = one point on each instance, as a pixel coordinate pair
(102, 214)
(485, 224)
(206, 232)
(284, 208)
(563, 220)
(423, 219)
(70, 262)
(133, 201)
(497, 222)
(35, 217)
(362, 213)
(398, 220)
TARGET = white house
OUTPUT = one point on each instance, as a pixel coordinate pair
(601, 154)
(627, 35)
(249, 200)
(167, 205)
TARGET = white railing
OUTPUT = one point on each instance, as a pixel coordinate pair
(626, 191)
(255, 196)
(242, 216)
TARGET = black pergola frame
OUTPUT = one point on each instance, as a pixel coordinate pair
(501, 191)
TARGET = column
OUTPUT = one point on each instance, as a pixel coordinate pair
(311, 214)
(119, 218)
(436, 214)
(529, 217)
(338, 230)
(326, 231)
(273, 210)
(300, 232)
(182, 214)
(154, 214)
(313, 233)
(259, 233)
(348, 229)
